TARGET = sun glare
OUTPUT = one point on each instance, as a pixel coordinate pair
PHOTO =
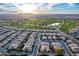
(27, 8)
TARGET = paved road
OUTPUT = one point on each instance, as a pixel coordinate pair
(67, 50)
(36, 47)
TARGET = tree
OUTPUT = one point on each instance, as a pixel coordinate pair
(59, 52)
(51, 47)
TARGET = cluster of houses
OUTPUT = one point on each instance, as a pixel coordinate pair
(28, 45)
(52, 36)
(49, 42)
(75, 32)
(11, 37)
(45, 47)
(25, 41)
(18, 42)
(72, 45)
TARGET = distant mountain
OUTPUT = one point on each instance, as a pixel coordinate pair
(61, 16)
(16, 17)
(21, 16)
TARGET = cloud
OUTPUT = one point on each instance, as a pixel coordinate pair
(54, 8)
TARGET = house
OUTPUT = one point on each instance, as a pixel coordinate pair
(54, 37)
(44, 37)
(77, 54)
(44, 46)
(43, 34)
(54, 34)
(49, 37)
(74, 47)
(28, 45)
(56, 45)
(69, 41)
(62, 37)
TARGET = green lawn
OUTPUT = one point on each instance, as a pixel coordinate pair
(67, 25)
(39, 23)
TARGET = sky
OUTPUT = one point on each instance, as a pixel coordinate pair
(39, 8)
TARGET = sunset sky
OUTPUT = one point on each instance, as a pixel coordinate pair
(39, 8)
